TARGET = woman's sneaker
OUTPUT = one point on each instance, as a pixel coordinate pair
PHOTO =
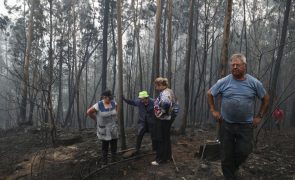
(155, 163)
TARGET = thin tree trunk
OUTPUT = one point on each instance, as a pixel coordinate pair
(138, 48)
(157, 38)
(50, 82)
(280, 55)
(187, 70)
(105, 45)
(245, 28)
(75, 65)
(114, 49)
(152, 91)
(33, 93)
(169, 41)
(156, 55)
(25, 82)
(164, 42)
(195, 37)
(176, 61)
(120, 74)
(139, 60)
(211, 66)
(292, 120)
(59, 116)
(84, 123)
(225, 42)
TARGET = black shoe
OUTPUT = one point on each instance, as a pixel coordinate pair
(104, 161)
(115, 158)
(137, 152)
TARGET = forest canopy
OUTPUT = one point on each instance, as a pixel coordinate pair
(57, 56)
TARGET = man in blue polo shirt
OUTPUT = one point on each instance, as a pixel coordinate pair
(238, 92)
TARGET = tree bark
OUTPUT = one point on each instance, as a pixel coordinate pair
(164, 41)
(187, 70)
(120, 74)
(156, 54)
(114, 49)
(105, 45)
(25, 82)
(50, 78)
(59, 116)
(292, 120)
(280, 55)
(226, 32)
(169, 41)
(76, 64)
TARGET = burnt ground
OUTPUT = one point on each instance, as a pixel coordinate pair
(26, 153)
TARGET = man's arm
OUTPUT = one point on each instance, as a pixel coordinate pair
(262, 110)
(215, 113)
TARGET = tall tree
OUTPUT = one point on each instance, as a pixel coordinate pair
(226, 32)
(114, 53)
(169, 40)
(137, 33)
(105, 45)
(187, 69)
(25, 82)
(50, 77)
(224, 50)
(59, 114)
(157, 38)
(244, 31)
(163, 38)
(277, 65)
(195, 56)
(156, 55)
(120, 74)
(75, 61)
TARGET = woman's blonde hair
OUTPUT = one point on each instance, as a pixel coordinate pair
(161, 81)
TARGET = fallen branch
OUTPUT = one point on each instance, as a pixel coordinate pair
(176, 168)
(126, 150)
(114, 163)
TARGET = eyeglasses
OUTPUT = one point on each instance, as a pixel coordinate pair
(237, 65)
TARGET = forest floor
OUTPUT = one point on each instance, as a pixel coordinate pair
(27, 154)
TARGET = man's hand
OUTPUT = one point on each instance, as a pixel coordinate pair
(256, 121)
(216, 115)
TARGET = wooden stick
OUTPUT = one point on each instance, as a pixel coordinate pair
(114, 163)
(177, 170)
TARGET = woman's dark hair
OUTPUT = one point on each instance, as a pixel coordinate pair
(107, 93)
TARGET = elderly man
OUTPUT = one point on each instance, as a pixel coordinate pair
(238, 92)
(146, 117)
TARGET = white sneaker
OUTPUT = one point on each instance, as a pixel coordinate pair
(155, 163)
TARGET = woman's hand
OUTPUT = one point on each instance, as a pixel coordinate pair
(91, 112)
